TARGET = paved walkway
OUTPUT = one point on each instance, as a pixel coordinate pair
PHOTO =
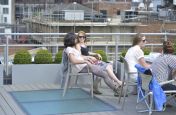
(8, 107)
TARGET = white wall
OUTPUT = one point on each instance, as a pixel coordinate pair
(174, 2)
(74, 15)
(10, 15)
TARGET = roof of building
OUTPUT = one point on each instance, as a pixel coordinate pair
(72, 6)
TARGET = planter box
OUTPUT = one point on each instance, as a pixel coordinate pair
(36, 73)
(120, 69)
(1, 74)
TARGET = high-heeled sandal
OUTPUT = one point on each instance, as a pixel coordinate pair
(118, 89)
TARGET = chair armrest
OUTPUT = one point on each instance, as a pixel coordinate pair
(70, 65)
(132, 72)
(166, 82)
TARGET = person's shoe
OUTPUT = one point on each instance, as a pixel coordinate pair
(97, 92)
(134, 93)
(169, 105)
(117, 91)
(117, 94)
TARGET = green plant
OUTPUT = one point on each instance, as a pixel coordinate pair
(22, 57)
(103, 55)
(58, 57)
(174, 45)
(146, 51)
(122, 54)
(43, 57)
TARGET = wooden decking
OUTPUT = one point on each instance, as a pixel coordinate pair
(9, 107)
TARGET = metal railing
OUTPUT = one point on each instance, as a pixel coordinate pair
(111, 43)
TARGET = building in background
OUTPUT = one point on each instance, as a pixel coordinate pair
(7, 15)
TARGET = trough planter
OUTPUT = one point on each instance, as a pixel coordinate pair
(1, 74)
(36, 73)
(120, 69)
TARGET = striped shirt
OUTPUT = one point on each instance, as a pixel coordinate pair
(162, 67)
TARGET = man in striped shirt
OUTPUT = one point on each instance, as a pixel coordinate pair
(164, 66)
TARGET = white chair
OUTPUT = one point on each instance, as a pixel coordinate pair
(70, 73)
(145, 95)
(126, 80)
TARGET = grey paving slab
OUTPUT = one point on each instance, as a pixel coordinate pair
(107, 96)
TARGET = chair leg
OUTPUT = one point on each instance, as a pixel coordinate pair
(76, 80)
(92, 82)
(123, 80)
(125, 92)
(66, 85)
(124, 95)
(151, 103)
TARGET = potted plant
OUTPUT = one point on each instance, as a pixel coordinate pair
(43, 57)
(122, 54)
(58, 57)
(120, 64)
(43, 70)
(146, 51)
(103, 55)
(22, 57)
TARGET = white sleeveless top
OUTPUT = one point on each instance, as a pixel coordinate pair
(76, 67)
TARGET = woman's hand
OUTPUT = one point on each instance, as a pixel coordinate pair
(91, 59)
(99, 56)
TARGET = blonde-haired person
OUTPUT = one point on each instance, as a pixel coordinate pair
(82, 47)
(135, 55)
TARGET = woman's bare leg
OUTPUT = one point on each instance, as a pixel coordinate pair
(112, 75)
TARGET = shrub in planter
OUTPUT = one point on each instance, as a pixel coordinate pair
(174, 46)
(22, 57)
(146, 51)
(122, 54)
(58, 57)
(43, 57)
(103, 55)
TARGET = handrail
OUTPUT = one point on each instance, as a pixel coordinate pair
(50, 35)
(104, 34)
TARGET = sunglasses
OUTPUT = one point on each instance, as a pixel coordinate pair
(82, 36)
(143, 40)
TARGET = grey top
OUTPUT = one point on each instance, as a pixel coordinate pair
(163, 66)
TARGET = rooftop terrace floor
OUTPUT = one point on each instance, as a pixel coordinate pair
(9, 107)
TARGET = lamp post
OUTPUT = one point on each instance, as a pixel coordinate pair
(74, 3)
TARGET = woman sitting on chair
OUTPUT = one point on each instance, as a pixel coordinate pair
(97, 67)
(81, 46)
(134, 56)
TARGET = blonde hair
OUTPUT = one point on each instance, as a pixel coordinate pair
(82, 32)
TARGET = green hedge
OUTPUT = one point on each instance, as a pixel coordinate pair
(43, 57)
(58, 57)
(22, 57)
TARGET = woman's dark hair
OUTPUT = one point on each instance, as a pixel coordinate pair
(69, 39)
(137, 39)
(168, 47)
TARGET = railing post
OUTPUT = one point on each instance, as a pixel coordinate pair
(6, 55)
(116, 52)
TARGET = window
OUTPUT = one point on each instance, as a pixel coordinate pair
(5, 19)
(104, 12)
(4, 2)
(118, 12)
(5, 10)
